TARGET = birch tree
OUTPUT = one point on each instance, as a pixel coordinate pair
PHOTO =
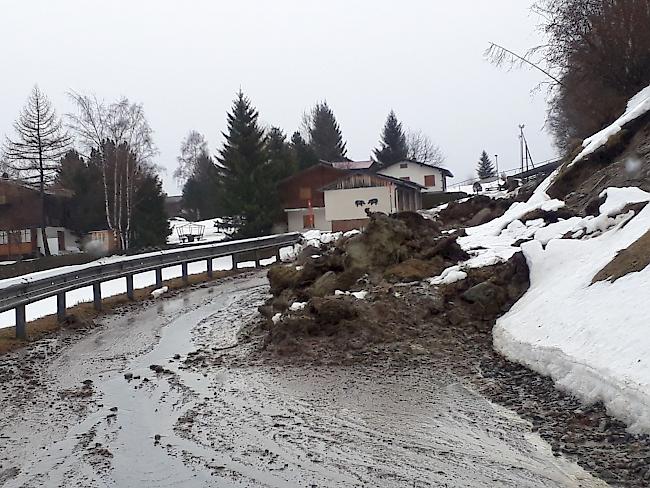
(421, 148)
(39, 145)
(121, 135)
(193, 148)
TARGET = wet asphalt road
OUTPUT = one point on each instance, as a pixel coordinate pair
(211, 424)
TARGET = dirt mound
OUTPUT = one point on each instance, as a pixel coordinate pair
(351, 298)
(634, 258)
(623, 161)
(549, 217)
(475, 211)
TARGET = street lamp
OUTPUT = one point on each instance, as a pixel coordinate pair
(496, 159)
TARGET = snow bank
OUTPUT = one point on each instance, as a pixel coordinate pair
(593, 340)
(637, 106)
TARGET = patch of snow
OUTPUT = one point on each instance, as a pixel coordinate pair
(351, 233)
(448, 276)
(360, 295)
(296, 306)
(159, 291)
(276, 318)
(592, 339)
(637, 106)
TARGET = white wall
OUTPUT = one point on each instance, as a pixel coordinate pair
(416, 173)
(295, 220)
(341, 204)
(53, 240)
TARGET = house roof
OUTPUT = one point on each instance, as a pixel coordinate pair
(353, 165)
(444, 171)
(398, 182)
(321, 164)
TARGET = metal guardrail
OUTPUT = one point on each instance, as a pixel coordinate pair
(18, 295)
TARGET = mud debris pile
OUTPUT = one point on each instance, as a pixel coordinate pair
(365, 295)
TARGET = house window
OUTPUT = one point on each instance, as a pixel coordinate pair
(430, 180)
(405, 178)
(403, 165)
(4, 238)
(305, 193)
(308, 221)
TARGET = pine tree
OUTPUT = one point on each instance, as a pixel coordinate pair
(303, 153)
(150, 222)
(40, 144)
(83, 178)
(485, 168)
(244, 170)
(325, 136)
(393, 147)
(202, 190)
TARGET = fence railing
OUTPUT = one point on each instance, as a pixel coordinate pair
(22, 293)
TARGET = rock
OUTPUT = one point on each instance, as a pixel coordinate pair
(157, 368)
(87, 382)
(282, 277)
(489, 296)
(331, 311)
(415, 270)
(128, 376)
(482, 216)
(323, 286)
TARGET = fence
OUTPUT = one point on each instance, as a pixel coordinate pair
(17, 296)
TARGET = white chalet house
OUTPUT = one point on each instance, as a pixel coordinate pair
(433, 178)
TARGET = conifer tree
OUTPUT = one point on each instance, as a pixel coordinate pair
(325, 136)
(303, 153)
(35, 153)
(393, 147)
(202, 190)
(244, 170)
(485, 168)
(150, 220)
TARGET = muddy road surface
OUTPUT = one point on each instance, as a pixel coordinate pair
(135, 403)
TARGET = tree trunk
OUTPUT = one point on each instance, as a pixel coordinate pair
(46, 246)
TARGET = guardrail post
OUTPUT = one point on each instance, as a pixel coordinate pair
(129, 287)
(159, 281)
(234, 262)
(210, 270)
(21, 323)
(60, 306)
(97, 296)
(186, 278)
(277, 255)
(257, 258)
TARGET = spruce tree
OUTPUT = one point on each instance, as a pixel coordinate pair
(393, 147)
(202, 190)
(303, 153)
(325, 136)
(150, 225)
(244, 171)
(485, 168)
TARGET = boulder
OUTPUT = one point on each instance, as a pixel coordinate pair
(489, 296)
(323, 286)
(282, 277)
(415, 270)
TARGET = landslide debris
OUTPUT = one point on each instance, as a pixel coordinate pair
(474, 211)
(365, 295)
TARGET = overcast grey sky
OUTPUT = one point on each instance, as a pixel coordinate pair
(184, 60)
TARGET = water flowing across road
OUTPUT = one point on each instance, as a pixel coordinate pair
(250, 425)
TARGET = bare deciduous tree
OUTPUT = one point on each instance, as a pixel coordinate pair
(123, 125)
(421, 148)
(193, 147)
(39, 145)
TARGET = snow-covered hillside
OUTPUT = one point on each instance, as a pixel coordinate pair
(587, 329)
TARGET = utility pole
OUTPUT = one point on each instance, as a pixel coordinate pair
(496, 162)
(521, 145)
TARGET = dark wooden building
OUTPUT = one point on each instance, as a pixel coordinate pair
(20, 220)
